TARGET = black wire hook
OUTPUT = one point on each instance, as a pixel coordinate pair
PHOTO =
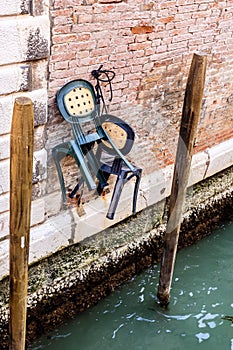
(97, 75)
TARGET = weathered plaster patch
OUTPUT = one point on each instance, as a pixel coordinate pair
(39, 171)
(39, 7)
(25, 7)
(25, 73)
(37, 45)
(39, 74)
(40, 113)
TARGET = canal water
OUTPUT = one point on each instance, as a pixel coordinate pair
(130, 318)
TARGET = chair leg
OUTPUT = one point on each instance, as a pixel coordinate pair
(102, 175)
(116, 195)
(82, 164)
(121, 180)
(61, 178)
(95, 165)
(136, 188)
(76, 188)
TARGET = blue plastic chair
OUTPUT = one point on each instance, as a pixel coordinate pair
(80, 106)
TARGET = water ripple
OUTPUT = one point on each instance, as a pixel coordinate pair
(176, 317)
(116, 330)
(203, 322)
(202, 336)
(139, 318)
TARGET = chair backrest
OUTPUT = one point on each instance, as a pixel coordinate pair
(120, 133)
(76, 101)
(77, 104)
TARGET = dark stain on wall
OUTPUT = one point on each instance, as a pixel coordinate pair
(26, 73)
(25, 7)
(37, 46)
(40, 113)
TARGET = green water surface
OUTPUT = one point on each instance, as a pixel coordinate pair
(130, 318)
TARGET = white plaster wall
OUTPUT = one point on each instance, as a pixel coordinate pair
(17, 31)
(13, 7)
(24, 50)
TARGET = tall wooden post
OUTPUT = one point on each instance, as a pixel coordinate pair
(189, 123)
(20, 209)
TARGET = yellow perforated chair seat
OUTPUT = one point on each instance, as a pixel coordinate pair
(116, 133)
(79, 102)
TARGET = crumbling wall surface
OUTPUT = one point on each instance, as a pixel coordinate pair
(24, 51)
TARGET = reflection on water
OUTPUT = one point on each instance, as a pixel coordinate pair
(130, 318)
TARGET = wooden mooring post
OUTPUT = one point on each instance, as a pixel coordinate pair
(21, 160)
(189, 123)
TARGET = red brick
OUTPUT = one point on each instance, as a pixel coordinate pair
(60, 39)
(139, 46)
(84, 18)
(166, 19)
(142, 29)
(83, 37)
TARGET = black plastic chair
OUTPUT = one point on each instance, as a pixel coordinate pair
(80, 106)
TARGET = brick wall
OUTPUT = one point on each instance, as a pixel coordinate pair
(149, 44)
